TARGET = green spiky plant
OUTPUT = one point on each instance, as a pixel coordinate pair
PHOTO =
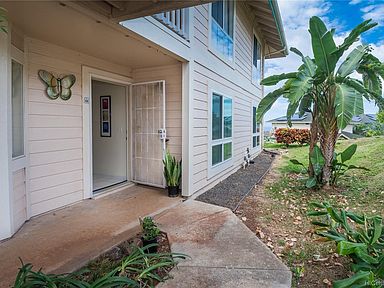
(326, 90)
(172, 170)
(138, 269)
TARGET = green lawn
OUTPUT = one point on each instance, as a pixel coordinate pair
(282, 213)
(366, 188)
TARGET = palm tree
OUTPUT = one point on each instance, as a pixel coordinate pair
(330, 94)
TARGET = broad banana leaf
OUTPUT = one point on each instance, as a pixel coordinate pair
(267, 102)
(352, 62)
(274, 79)
(354, 36)
(317, 160)
(292, 107)
(299, 87)
(323, 46)
(348, 153)
(309, 66)
(305, 104)
(348, 103)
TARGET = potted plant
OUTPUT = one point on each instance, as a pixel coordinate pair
(172, 174)
(150, 233)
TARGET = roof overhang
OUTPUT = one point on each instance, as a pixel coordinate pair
(266, 12)
(130, 9)
(268, 18)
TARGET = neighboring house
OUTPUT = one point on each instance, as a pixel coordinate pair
(186, 80)
(304, 122)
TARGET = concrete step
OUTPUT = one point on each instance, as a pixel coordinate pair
(223, 251)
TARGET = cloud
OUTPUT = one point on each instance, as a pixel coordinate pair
(375, 12)
(297, 35)
(355, 2)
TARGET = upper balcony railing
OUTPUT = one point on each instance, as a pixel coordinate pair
(176, 20)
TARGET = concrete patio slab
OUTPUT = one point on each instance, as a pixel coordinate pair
(223, 251)
(65, 240)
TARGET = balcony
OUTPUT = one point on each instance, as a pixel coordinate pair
(176, 20)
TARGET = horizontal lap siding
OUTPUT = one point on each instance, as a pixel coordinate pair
(203, 77)
(200, 25)
(55, 127)
(243, 41)
(172, 76)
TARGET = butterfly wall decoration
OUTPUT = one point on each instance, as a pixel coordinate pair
(57, 87)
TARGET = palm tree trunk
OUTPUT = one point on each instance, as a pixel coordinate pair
(327, 146)
(328, 132)
(313, 140)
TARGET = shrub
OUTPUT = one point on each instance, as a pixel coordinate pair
(369, 130)
(358, 236)
(150, 229)
(289, 136)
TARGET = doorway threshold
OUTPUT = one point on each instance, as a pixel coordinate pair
(112, 189)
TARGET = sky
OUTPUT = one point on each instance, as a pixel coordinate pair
(343, 15)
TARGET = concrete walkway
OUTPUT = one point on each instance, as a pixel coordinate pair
(224, 252)
(65, 240)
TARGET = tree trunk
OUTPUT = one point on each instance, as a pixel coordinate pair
(327, 147)
(328, 132)
(313, 140)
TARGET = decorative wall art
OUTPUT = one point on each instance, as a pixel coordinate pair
(105, 116)
(57, 87)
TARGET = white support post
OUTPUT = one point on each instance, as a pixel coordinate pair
(187, 129)
(5, 139)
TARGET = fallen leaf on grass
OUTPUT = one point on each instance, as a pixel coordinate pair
(327, 282)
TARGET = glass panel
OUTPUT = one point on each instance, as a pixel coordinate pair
(254, 123)
(254, 141)
(217, 12)
(257, 140)
(217, 115)
(256, 67)
(227, 150)
(228, 25)
(258, 128)
(17, 110)
(221, 41)
(217, 154)
(227, 117)
(255, 46)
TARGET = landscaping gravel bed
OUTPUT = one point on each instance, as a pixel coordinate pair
(231, 191)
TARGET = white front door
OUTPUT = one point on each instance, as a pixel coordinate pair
(149, 134)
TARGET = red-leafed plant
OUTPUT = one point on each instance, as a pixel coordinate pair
(289, 136)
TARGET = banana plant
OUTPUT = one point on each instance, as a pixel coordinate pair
(327, 90)
(339, 166)
(357, 236)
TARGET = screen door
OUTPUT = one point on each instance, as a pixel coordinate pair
(149, 134)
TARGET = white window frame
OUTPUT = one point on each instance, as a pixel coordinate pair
(261, 68)
(19, 162)
(218, 54)
(219, 167)
(255, 134)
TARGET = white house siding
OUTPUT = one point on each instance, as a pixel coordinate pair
(237, 80)
(55, 127)
(172, 76)
(19, 199)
